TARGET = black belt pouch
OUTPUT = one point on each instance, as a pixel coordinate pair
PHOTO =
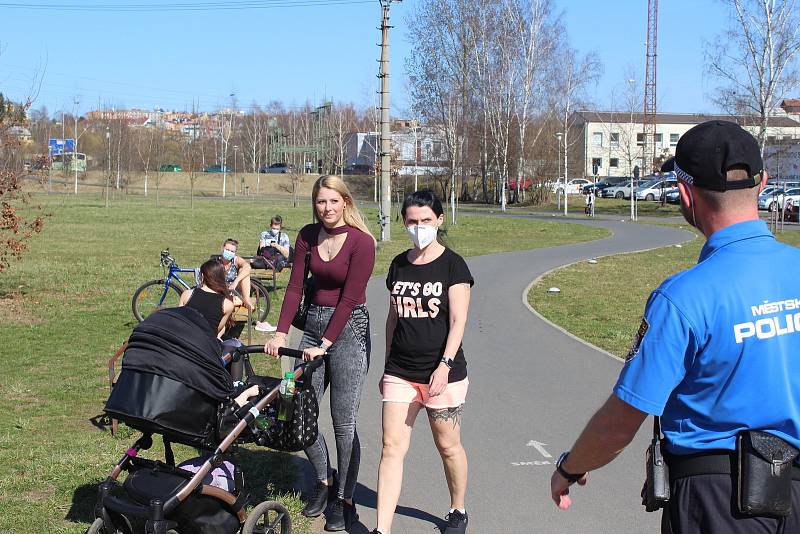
(655, 493)
(765, 474)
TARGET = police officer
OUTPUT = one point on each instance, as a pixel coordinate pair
(718, 351)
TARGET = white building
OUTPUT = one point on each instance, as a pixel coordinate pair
(423, 146)
(782, 161)
(613, 140)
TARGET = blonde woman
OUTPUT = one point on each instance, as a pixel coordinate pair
(341, 262)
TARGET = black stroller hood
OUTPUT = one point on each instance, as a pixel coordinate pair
(177, 343)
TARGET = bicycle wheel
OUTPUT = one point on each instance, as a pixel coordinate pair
(154, 295)
(259, 296)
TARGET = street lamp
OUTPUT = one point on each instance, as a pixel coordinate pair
(416, 155)
(558, 178)
(235, 157)
(108, 176)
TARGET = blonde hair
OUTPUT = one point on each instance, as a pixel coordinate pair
(350, 214)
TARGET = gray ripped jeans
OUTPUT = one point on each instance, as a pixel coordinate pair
(344, 371)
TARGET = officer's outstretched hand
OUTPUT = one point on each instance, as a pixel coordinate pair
(559, 490)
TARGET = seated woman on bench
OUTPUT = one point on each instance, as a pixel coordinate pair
(237, 271)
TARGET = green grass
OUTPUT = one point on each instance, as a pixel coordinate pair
(65, 309)
(584, 307)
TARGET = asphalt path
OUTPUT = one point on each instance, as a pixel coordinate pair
(532, 388)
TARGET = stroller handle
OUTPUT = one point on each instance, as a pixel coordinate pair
(283, 351)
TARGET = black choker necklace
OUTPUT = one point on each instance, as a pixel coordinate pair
(336, 231)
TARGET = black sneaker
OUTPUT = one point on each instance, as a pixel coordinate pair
(318, 501)
(334, 521)
(376, 531)
(456, 523)
(350, 514)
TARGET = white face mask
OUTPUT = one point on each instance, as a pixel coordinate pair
(422, 235)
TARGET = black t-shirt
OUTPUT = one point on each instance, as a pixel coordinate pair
(420, 296)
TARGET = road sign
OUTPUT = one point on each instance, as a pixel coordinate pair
(61, 146)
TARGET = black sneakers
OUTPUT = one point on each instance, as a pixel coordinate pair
(350, 514)
(318, 501)
(340, 516)
(456, 523)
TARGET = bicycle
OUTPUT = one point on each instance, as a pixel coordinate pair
(166, 292)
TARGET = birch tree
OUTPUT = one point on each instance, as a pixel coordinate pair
(754, 59)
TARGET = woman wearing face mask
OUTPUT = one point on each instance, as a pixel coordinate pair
(237, 271)
(429, 289)
(341, 262)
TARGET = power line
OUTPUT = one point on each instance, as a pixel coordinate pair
(150, 8)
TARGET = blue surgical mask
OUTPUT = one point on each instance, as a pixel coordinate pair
(228, 255)
(274, 232)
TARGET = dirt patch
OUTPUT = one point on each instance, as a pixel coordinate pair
(40, 495)
(14, 310)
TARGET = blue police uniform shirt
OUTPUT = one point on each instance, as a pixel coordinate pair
(719, 347)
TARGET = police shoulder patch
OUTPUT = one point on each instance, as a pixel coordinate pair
(637, 340)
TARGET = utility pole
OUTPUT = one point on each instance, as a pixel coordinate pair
(75, 149)
(386, 141)
(649, 149)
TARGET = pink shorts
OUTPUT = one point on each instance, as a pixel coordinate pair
(395, 389)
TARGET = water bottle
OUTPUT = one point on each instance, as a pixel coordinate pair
(286, 390)
(262, 422)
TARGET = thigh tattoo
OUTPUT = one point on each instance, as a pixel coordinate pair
(447, 414)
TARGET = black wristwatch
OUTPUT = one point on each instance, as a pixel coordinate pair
(449, 362)
(568, 476)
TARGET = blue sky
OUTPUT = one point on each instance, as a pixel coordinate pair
(295, 54)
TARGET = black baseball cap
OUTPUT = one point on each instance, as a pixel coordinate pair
(706, 152)
(669, 165)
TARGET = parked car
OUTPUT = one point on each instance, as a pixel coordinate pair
(278, 168)
(359, 168)
(574, 186)
(525, 184)
(170, 167)
(672, 196)
(652, 190)
(776, 199)
(216, 168)
(621, 190)
(601, 185)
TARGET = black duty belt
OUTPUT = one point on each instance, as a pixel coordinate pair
(712, 462)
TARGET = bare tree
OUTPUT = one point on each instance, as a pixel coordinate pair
(17, 226)
(577, 74)
(144, 140)
(439, 67)
(754, 59)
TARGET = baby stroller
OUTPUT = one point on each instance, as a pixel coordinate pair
(174, 383)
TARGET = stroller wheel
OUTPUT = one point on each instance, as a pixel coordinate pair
(269, 517)
(98, 527)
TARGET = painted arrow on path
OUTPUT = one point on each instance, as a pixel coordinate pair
(539, 446)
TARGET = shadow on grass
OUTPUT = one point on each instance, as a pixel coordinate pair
(268, 475)
(81, 509)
